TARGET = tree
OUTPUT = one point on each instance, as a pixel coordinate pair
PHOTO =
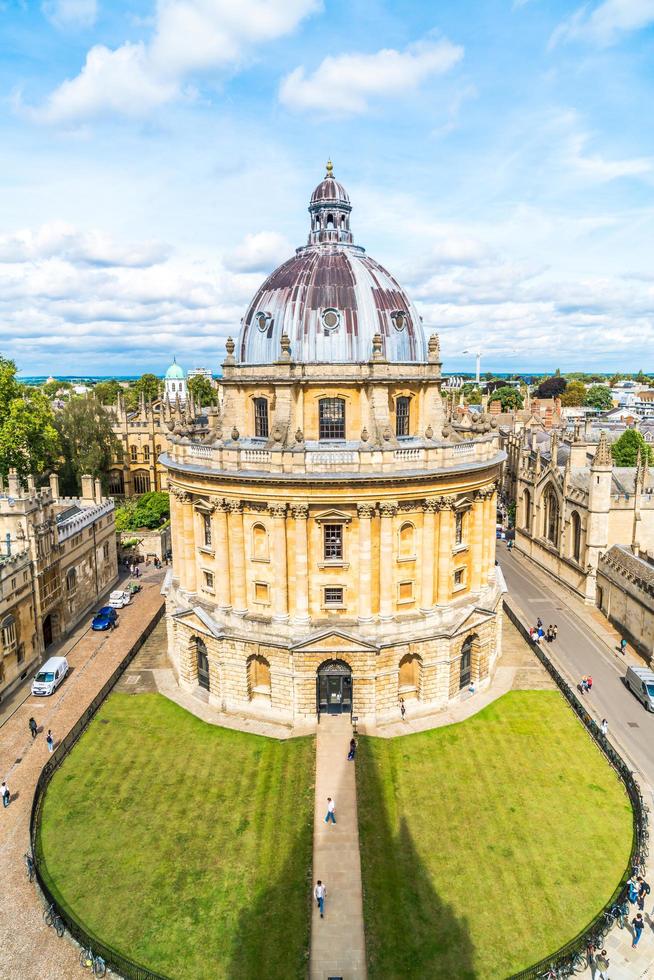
(574, 394)
(28, 438)
(508, 397)
(151, 510)
(551, 388)
(148, 385)
(202, 390)
(614, 380)
(598, 396)
(107, 391)
(472, 395)
(625, 449)
(88, 442)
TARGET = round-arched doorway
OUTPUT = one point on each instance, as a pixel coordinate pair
(334, 688)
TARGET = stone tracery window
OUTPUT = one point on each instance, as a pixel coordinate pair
(575, 523)
(8, 633)
(551, 517)
(526, 510)
(331, 413)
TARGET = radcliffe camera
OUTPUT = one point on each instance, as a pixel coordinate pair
(326, 491)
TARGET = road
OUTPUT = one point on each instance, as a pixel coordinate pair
(580, 651)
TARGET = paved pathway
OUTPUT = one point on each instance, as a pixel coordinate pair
(28, 949)
(337, 941)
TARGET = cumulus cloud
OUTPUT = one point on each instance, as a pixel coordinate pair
(77, 247)
(188, 36)
(597, 168)
(71, 13)
(345, 84)
(606, 23)
(260, 252)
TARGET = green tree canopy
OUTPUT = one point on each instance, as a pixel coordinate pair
(613, 380)
(574, 394)
(87, 440)
(625, 449)
(202, 390)
(151, 510)
(107, 391)
(28, 438)
(598, 396)
(148, 385)
(508, 397)
(551, 387)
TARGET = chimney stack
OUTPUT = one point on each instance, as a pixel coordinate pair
(13, 483)
(87, 488)
(98, 490)
(54, 485)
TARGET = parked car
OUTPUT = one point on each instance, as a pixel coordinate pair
(119, 599)
(105, 619)
(640, 681)
(133, 588)
(50, 676)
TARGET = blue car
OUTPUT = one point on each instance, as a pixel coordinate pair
(106, 619)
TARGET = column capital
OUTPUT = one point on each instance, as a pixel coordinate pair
(447, 502)
(277, 510)
(431, 505)
(388, 508)
(365, 511)
(180, 494)
(234, 506)
(300, 511)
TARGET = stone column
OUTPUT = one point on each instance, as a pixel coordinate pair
(478, 524)
(190, 564)
(365, 512)
(489, 529)
(492, 537)
(177, 530)
(223, 593)
(237, 558)
(445, 550)
(427, 558)
(388, 511)
(300, 515)
(280, 565)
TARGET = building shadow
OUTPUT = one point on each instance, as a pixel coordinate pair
(412, 932)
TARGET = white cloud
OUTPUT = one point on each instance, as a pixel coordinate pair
(260, 252)
(345, 84)
(76, 247)
(595, 168)
(606, 23)
(71, 13)
(189, 36)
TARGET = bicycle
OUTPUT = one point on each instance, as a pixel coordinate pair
(51, 918)
(89, 960)
(29, 865)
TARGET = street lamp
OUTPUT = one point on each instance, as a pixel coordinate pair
(478, 356)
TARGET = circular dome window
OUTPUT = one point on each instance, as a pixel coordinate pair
(331, 320)
(262, 320)
(399, 319)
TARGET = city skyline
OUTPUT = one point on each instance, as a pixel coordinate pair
(159, 160)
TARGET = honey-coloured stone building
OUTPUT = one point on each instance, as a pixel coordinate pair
(333, 534)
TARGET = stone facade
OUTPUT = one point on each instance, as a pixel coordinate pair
(625, 594)
(327, 513)
(19, 639)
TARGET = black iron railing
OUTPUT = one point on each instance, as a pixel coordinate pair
(114, 960)
(566, 960)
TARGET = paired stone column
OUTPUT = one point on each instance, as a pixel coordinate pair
(177, 496)
(445, 541)
(222, 576)
(301, 515)
(388, 510)
(190, 563)
(478, 524)
(429, 508)
(489, 533)
(237, 558)
(280, 588)
(365, 513)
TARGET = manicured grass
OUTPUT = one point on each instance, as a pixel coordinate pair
(488, 844)
(183, 845)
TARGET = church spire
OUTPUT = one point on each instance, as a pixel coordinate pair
(602, 455)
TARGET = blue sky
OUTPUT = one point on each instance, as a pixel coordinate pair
(158, 158)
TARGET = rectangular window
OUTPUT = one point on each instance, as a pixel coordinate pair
(458, 529)
(261, 592)
(208, 579)
(105, 551)
(405, 592)
(331, 418)
(9, 633)
(402, 416)
(146, 454)
(459, 578)
(333, 595)
(20, 653)
(261, 418)
(206, 528)
(333, 542)
(133, 453)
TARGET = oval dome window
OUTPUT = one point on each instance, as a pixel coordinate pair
(399, 319)
(331, 320)
(262, 320)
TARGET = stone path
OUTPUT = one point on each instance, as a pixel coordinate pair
(337, 941)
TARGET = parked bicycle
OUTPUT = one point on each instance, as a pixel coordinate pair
(90, 961)
(52, 918)
(29, 866)
(619, 914)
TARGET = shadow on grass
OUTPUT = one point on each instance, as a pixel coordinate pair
(411, 931)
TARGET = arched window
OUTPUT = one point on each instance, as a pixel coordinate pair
(409, 676)
(465, 667)
(407, 536)
(71, 580)
(141, 481)
(402, 416)
(146, 454)
(330, 220)
(259, 543)
(8, 633)
(115, 482)
(551, 517)
(331, 418)
(575, 541)
(526, 510)
(202, 663)
(258, 679)
(261, 418)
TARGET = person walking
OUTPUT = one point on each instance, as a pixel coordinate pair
(550, 633)
(539, 622)
(589, 683)
(331, 806)
(353, 749)
(6, 795)
(632, 891)
(623, 646)
(604, 727)
(555, 630)
(402, 708)
(583, 686)
(320, 894)
(34, 728)
(643, 892)
(639, 924)
(601, 966)
(50, 741)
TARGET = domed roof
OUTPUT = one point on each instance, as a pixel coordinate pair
(174, 372)
(331, 298)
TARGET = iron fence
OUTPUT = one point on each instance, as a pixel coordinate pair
(571, 957)
(114, 960)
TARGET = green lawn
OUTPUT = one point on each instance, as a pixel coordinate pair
(183, 845)
(487, 844)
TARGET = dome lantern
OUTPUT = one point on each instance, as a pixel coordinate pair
(330, 211)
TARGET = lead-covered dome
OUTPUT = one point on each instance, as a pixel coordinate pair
(331, 298)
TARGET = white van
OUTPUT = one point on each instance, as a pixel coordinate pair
(640, 681)
(50, 676)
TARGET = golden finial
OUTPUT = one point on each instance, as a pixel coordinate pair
(330, 169)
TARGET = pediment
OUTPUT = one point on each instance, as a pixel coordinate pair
(334, 641)
(199, 621)
(475, 618)
(332, 515)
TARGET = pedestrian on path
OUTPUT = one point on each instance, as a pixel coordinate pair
(643, 892)
(632, 891)
(50, 740)
(402, 708)
(549, 636)
(331, 806)
(6, 795)
(539, 623)
(589, 683)
(623, 646)
(583, 686)
(353, 749)
(604, 727)
(320, 893)
(639, 924)
(555, 631)
(34, 728)
(601, 966)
